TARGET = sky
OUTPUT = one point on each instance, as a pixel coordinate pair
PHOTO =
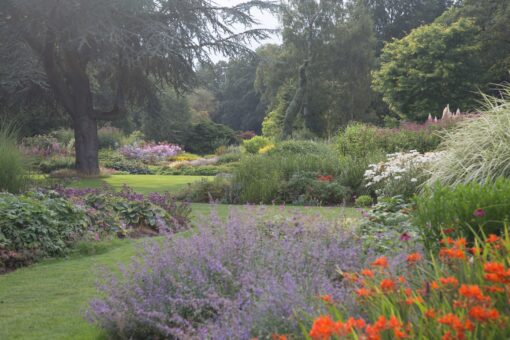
(265, 19)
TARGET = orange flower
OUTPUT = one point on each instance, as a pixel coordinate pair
(413, 258)
(472, 292)
(327, 298)
(414, 300)
(451, 320)
(475, 250)
(324, 327)
(434, 285)
(481, 314)
(363, 292)
(367, 273)
(387, 285)
(381, 262)
(430, 313)
(494, 289)
(449, 281)
(278, 337)
(493, 238)
(401, 279)
(452, 253)
(494, 267)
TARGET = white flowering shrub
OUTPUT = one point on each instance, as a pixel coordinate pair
(401, 174)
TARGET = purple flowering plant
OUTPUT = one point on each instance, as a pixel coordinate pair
(236, 279)
(150, 152)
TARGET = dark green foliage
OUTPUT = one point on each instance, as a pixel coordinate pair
(114, 160)
(205, 137)
(433, 66)
(306, 188)
(110, 137)
(36, 225)
(443, 207)
(167, 119)
(239, 104)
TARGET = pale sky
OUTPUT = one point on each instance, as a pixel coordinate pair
(265, 19)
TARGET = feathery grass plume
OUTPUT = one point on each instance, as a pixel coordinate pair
(13, 176)
(479, 149)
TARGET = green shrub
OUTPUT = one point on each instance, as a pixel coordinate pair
(464, 210)
(479, 149)
(13, 177)
(259, 178)
(55, 163)
(203, 170)
(294, 147)
(110, 137)
(63, 136)
(358, 140)
(255, 144)
(114, 160)
(37, 225)
(364, 201)
(205, 191)
(310, 188)
(205, 137)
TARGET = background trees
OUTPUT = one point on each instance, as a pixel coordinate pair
(93, 56)
(433, 66)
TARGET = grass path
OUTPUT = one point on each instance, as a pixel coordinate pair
(49, 300)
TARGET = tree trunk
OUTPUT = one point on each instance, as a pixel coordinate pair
(86, 144)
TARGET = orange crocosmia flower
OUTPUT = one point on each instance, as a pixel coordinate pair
(451, 320)
(367, 273)
(494, 267)
(434, 285)
(494, 289)
(401, 279)
(449, 281)
(460, 242)
(408, 292)
(387, 285)
(481, 314)
(475, 250)
(363, 292)
(493, 238)
(278, 337)
(414, 300)
(414, 257)
(327, 298)
(447, 240)
(324, 327)
(447, 336)
(473, 292)
(452, 253)
(381, 262)
(430, 313)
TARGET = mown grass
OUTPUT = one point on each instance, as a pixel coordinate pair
(141, 183)
(49, 300)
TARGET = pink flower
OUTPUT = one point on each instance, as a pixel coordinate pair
(479, 213)
(405, 237)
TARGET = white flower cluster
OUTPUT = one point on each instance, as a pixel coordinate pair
(398, 164)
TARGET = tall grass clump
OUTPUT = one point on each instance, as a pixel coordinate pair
(13, 177)
(479, 149)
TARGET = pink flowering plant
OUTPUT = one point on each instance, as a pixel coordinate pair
(151, 152)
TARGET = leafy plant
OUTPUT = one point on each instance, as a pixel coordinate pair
(37, 225)
(256, 143)
(364, 201)
(464, 210)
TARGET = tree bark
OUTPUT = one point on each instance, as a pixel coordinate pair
(86, 144)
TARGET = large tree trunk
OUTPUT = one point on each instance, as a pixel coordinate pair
(86, 144)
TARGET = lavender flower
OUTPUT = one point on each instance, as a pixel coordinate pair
(238, 279)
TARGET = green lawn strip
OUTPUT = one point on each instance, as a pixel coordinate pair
(48, 300)
(141, 183)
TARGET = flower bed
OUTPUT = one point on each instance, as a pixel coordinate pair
(150, 152)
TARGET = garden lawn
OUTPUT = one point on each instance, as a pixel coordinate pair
(141, 183)
(49, 300)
